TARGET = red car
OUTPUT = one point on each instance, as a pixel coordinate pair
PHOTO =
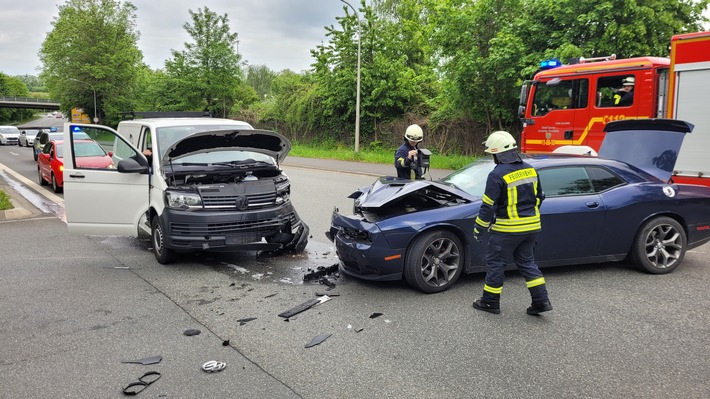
(50, 162)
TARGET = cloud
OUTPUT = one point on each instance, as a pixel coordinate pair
(275, 33)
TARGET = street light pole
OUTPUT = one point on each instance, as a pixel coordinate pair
(357, 92)
(96, 120)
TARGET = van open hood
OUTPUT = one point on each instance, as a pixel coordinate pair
(649, 144)
(261, 141)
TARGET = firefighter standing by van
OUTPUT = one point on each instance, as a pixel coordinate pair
(510, 211)
(407, 158)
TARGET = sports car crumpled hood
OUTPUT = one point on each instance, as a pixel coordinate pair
(262, 141)
(388, 189)
(649, 144)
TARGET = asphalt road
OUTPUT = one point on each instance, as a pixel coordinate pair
(75, 307)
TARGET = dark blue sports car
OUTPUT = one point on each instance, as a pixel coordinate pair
(621, 204)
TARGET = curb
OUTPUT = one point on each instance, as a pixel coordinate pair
(23, 209)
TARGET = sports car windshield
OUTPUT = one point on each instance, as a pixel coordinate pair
(472, 177)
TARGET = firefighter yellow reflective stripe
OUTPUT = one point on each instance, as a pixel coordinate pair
(401, 161)
(512, 202)
(535, 282)
(519, 225)
(482, 223)
(518, 221)
(529, 180)
(521, 174)
(487, 200)
(492, 290)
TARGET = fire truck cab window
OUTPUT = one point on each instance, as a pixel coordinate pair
(607, 88)
(562, 94)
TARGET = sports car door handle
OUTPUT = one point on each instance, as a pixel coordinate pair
(592, 204)
(80, 176)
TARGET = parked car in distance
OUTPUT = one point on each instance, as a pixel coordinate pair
(9, 135)
(27, 137)
(620, 205)
(50, 163)
(44, 137)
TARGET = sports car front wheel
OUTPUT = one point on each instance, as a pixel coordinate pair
(434, 262)
(659, 246)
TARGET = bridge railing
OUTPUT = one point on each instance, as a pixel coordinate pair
(28, 100)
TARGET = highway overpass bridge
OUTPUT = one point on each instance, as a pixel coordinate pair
(28, 103)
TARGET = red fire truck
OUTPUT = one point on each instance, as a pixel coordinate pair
(569, 105)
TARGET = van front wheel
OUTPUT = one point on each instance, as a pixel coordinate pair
(162, 255)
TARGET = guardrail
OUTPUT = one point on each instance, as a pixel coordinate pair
(28, 100)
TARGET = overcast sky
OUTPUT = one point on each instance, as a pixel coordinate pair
(275, 33)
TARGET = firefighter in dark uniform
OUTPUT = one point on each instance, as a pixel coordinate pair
(407, 158)
(510, 211)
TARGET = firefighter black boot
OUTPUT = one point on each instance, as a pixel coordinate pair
(488, 303)
(538, 293)
(480, 304)
(538, 307)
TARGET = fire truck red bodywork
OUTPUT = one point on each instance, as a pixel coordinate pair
(570, 104)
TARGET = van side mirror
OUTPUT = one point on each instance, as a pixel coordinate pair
(130, 165)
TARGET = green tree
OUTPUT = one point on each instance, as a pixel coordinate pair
(91, 50)
(13, 87)
(481, 59)
(260, 77)
(207, 72)
(34, 83)
(600, 28)
(396, 75)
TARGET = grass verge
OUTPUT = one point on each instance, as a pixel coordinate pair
(5, 203)
(373, 155)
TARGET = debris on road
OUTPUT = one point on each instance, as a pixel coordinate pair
(192, 331)
(146, 361)
(246, 320)
(318, 339)
(213, 366)
(375, 315)
(304, 306)
(319, 272)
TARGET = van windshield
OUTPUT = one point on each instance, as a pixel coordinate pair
(167, 136)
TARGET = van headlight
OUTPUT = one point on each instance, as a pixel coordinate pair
(183, 200)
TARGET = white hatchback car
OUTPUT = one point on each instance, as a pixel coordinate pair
(27, 137)
(9, 135)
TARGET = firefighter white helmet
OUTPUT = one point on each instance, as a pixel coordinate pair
(629, 81)
(414, 133)
(500, 141)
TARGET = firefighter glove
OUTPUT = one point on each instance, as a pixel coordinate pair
(476, 234)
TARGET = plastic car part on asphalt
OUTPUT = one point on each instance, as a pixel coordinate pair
(245, 320)
(318, 339)
(145, 361)
(136, 387)
(303, 306)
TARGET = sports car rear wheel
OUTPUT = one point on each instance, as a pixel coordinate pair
(659, 246)
(434, 262)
